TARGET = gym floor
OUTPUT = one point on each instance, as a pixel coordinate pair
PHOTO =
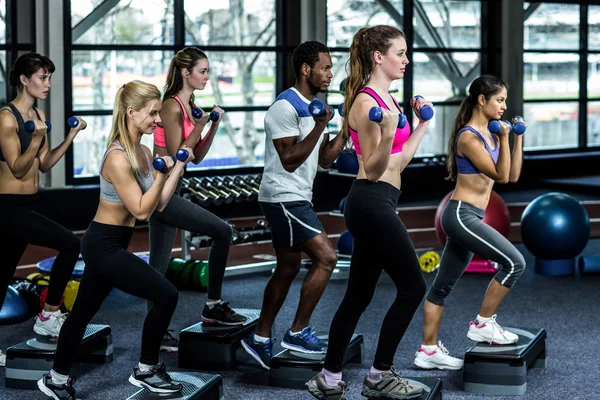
(565, 307)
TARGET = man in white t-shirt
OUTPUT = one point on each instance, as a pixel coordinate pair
(296, 144)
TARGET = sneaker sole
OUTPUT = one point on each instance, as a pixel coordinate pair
(46, 390)
(45, 333)
(294, 347)
(380, 395)
(315, 392)
(169, 349)
(430, 365)
(254, 355)
(144, 385)
(480, 339)
(217, 322)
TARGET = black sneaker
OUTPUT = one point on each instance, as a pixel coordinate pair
(169, 343)
(261, 352)
(57, 392)
(319, 388)
(156, 380)
(221, 314)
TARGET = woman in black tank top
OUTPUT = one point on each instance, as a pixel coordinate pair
(22, 155)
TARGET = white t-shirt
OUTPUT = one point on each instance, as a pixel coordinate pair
(288, 116)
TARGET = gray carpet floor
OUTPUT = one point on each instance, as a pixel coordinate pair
(565, 307)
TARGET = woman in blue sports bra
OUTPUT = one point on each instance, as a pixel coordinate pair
(476, 160)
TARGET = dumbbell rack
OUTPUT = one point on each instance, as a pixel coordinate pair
(196, 190)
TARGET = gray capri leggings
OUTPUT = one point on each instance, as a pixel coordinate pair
(468, 234)
(182, 213)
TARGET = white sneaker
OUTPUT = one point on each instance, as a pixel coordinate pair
(2, 359)
(491, 332)
(439, 358)
(49, 326)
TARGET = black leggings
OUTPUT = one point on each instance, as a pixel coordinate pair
(109, 265)
(20, 226)
(381, 242)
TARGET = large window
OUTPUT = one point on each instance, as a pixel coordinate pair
(445, 57)
(111, 44)
(552, 81)
(14, 41)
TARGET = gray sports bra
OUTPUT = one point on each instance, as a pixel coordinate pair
(107, 190)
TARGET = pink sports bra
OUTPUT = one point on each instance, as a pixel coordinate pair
(402, 134)
(188, 126)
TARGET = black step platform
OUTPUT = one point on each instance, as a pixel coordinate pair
(28, 361)
(502, 370)
(292, 369)
(196, 386)
(213, 347)
(432, 387)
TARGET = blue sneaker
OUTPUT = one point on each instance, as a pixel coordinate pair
(261, 352)
(304, 342)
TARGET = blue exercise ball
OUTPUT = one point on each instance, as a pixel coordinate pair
(14, 308)
(347, 162)
(345, 243)
(555, 226)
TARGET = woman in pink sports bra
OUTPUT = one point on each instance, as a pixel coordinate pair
(188, 72)
(381, 242)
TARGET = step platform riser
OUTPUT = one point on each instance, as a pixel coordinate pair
(290, 369)
(25, 365)
(213, 348)
(502, 370)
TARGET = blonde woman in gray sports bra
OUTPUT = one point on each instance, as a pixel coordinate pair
(130, 189)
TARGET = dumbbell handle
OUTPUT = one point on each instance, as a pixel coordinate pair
(73, 122)
(317, 108)
(30, 126)
(197, 113)
(519, 127)
(426, 112)
(159, 164)
(376, 115)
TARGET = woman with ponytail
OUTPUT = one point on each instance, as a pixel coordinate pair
(23, 155)
(188, 72)
(130, 189)
(381, 242)
(476, 160)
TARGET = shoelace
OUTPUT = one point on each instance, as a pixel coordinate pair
(226, 309)
(496, 325)
(161, 371)
(309, 336)
(442, 348)
(268, 345)
(398, 378)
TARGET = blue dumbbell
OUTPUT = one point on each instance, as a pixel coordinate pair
(425, 112)
(30, 126)
(494, 126)
(376, 115)
(341, 110)
(197, 113)
(317, 108)
(73, 122)
(519, 127)
(182, 155)
(159, 164)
